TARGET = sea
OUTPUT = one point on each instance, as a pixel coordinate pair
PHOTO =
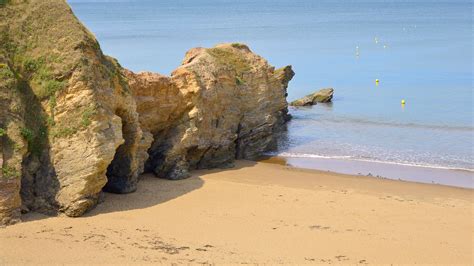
(419, 50)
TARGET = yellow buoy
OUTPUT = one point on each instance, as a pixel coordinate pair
(403, 102)
(377, 82)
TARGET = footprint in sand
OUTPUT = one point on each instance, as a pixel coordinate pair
(341, 258)
(316, 227)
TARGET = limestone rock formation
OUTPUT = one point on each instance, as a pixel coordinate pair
(68, 116)
(74, 123)
(221, 104)
(12, 145)
(321, 96)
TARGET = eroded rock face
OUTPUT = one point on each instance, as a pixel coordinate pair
(223, 103)
(321, 96)
(73, 122)
(12, 146)
(79, 123)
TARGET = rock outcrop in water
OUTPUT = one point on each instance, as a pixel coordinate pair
(73, 122)
(321, 96)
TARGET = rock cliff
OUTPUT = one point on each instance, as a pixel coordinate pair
(222, 103)
(74, 123)
(69, 117)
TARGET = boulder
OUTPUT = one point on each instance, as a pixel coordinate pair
(321, 96)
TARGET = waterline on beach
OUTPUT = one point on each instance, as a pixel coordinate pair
(295, 155)
(463, 178)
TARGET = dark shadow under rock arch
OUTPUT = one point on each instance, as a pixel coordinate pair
(123, 171)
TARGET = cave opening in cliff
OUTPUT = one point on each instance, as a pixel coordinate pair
(121, 177)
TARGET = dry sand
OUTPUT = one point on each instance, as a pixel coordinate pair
(257, 213)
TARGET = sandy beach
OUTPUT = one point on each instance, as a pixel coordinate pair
(257, 213)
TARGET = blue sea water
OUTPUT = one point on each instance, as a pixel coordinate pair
(420, 50)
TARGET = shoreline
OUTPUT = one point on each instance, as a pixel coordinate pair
(408, 173)
(257, 212)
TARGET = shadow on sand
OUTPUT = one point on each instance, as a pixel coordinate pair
(151, 191)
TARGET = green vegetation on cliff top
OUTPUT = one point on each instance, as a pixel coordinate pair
(230, 58)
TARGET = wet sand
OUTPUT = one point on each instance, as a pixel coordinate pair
(257, 213)
(421, 174)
